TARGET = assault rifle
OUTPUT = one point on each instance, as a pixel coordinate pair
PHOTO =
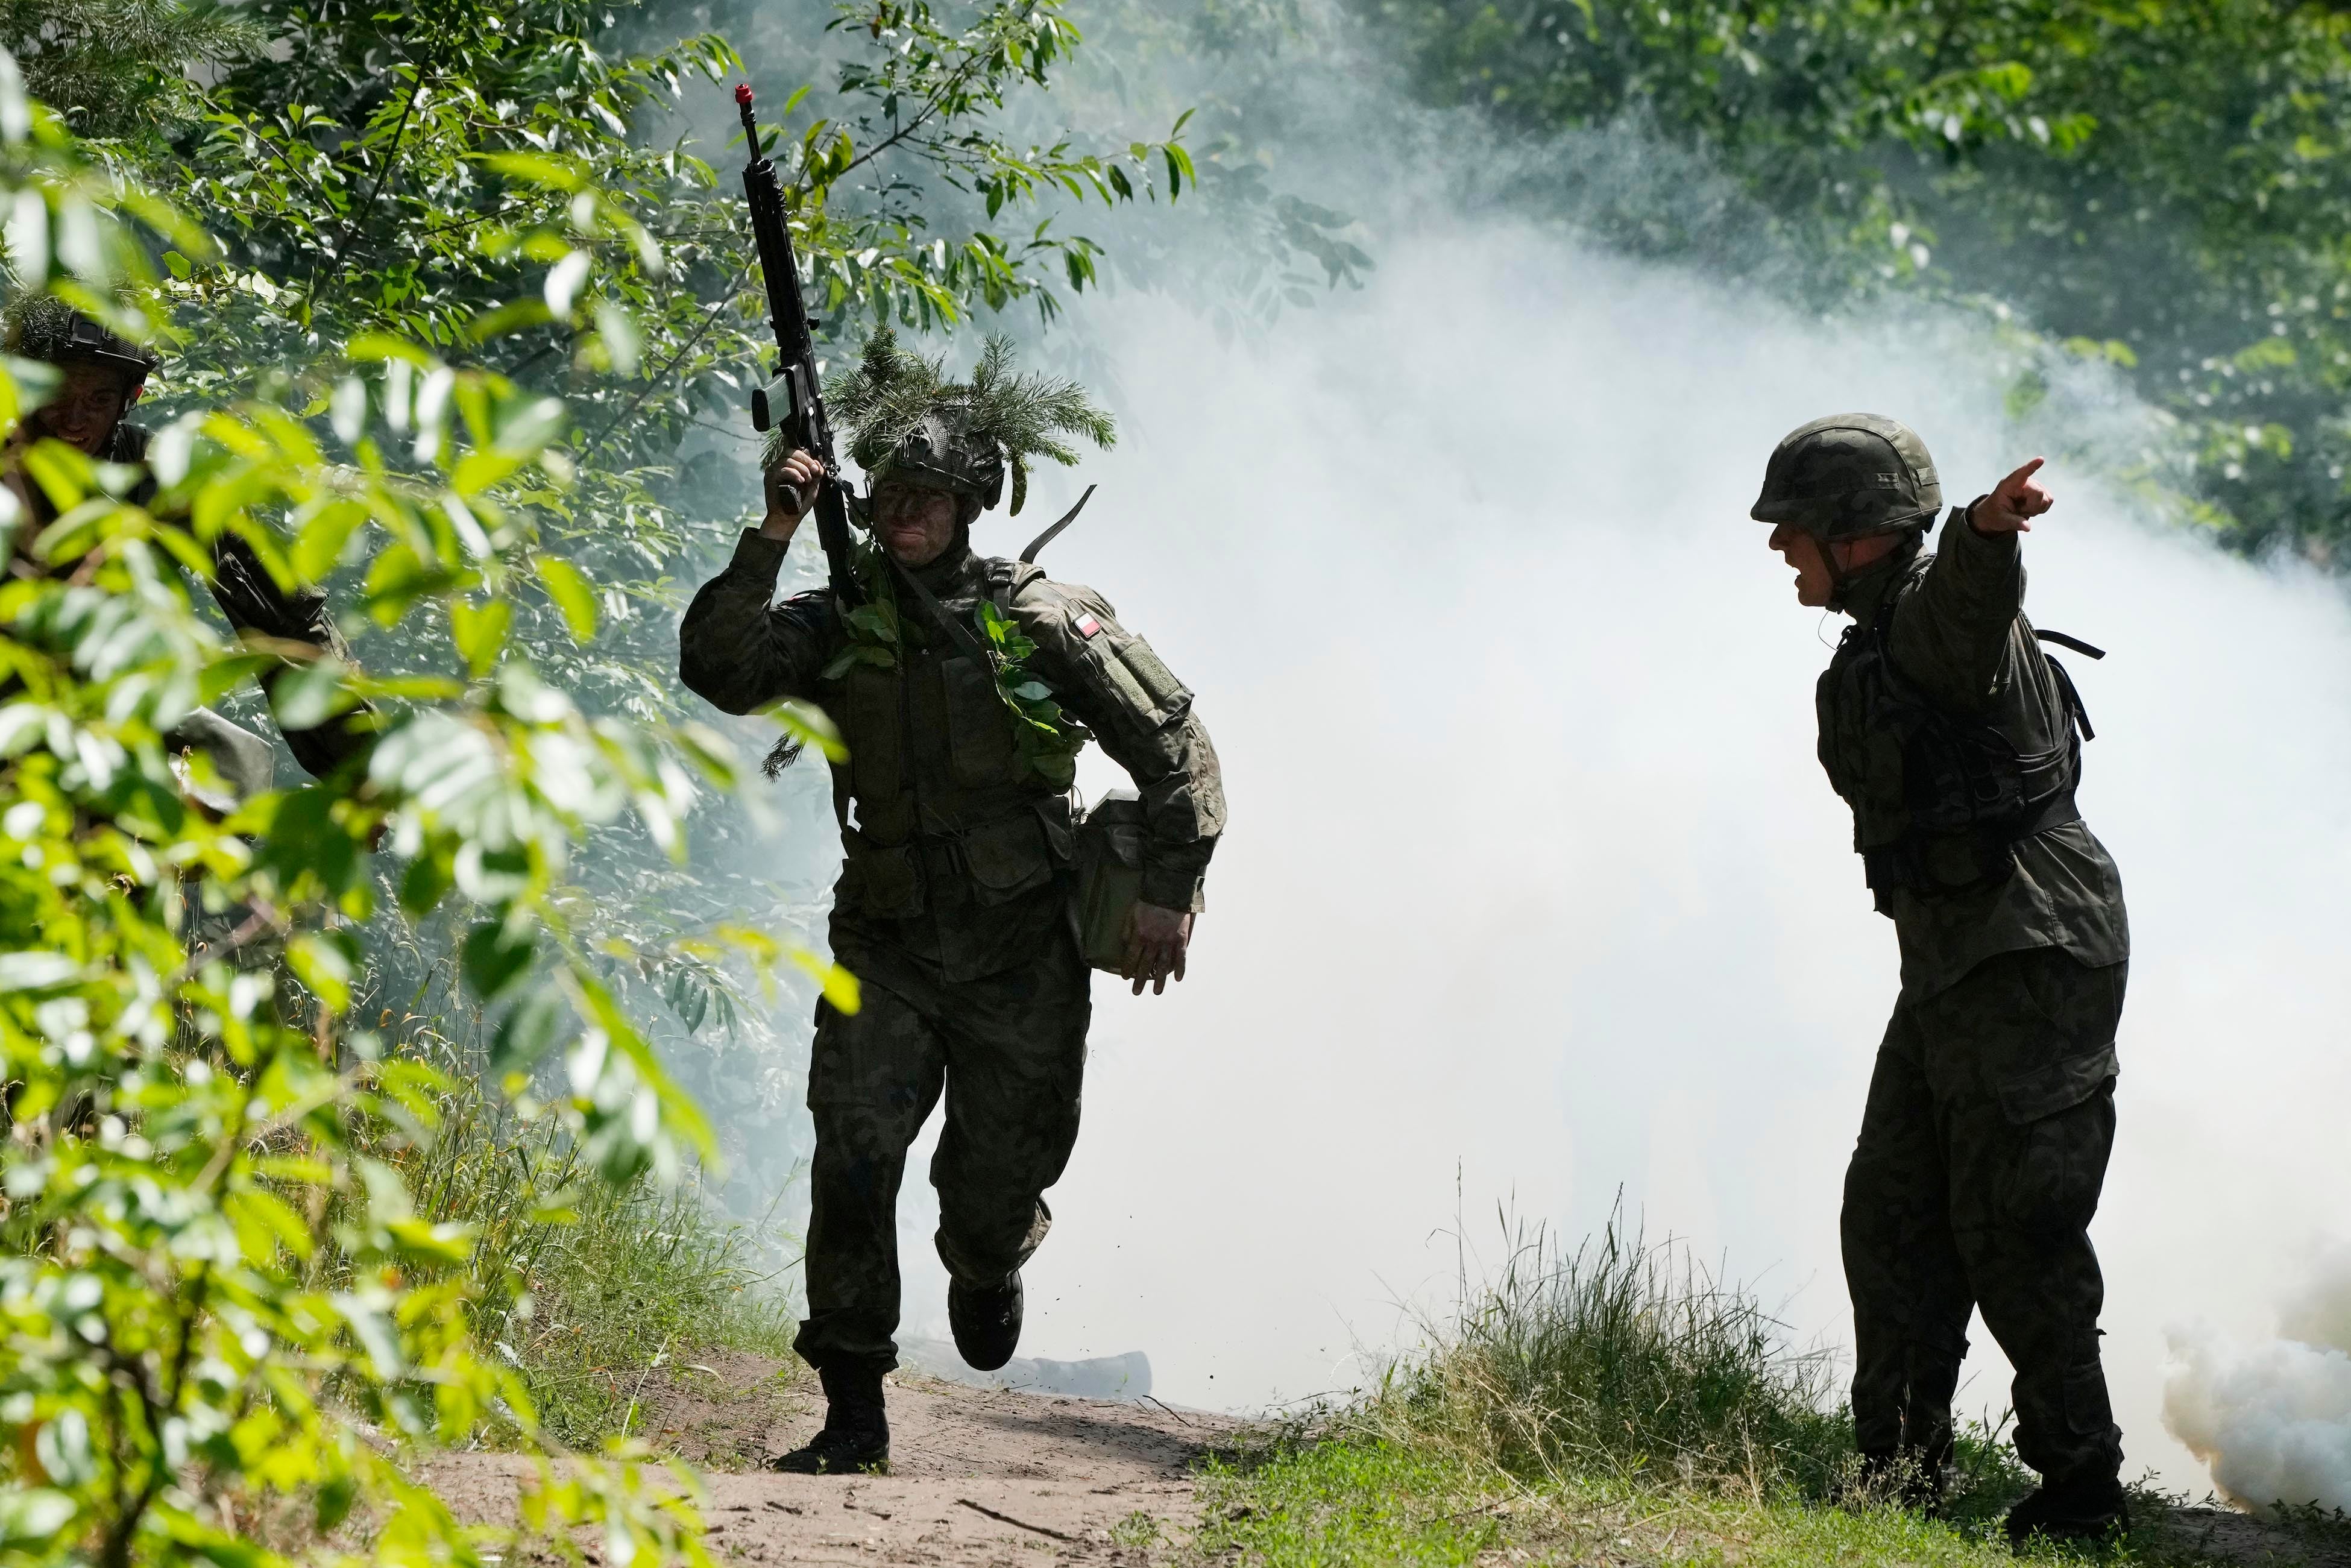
(794, 401)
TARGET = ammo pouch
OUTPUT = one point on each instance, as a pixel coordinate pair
(992, 863)
(1968, 795)
(1109, 876)
(1931, 862)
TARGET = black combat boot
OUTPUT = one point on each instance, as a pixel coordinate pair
(987, 1323)
(2086, 1510)
(856, 1436)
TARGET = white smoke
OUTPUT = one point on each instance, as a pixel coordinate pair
(2272, 1419)
(1532, 880)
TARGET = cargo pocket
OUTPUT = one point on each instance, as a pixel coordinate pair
(980, 747)
(871, 717)
(2065, 1115)
(1060, 838)
(889, 885)
(1109, 877)
(1008, 858)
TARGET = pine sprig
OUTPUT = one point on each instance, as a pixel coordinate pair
(1027, 417)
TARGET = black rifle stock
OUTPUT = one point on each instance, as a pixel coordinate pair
(794, 400)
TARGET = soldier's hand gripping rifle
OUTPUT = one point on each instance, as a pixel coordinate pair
(794, 401)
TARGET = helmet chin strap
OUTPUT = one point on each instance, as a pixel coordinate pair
(1841, 580)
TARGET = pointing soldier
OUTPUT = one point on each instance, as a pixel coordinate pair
(1956, 742)
(963, 689)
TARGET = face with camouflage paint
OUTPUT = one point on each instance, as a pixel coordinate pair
(90, 400)
(915, 523)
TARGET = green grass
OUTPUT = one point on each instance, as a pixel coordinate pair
(1613, 1406)
(1357, 1499)
(586, 1288)
(1620, 1360)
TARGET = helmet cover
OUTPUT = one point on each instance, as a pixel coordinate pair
(1848, 477)
(47, 328)
(942, 453)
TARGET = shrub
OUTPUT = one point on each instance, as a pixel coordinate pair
(1621, 1359)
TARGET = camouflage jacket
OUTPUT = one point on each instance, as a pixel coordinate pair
(252, 601)
(955, 848)
(1958, 634)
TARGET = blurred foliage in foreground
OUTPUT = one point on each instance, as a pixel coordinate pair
(221, 1315)
(2163, 185)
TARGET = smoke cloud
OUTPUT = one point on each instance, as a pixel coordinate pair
(1533, 889)
(2272, 1420)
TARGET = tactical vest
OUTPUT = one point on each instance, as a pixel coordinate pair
(1940, 801)
(935, 804)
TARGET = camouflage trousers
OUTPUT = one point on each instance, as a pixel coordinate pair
(1982, 1150)
(1008, 1053)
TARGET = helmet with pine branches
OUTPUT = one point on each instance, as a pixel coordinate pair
(43, 327)
(909, 424)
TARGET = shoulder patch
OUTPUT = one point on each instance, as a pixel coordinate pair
(1088, 625)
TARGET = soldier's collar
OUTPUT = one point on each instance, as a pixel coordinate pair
(1861, 594)
(946, 574)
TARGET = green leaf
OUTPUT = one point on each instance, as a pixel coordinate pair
(840, 987)
(36, 971)
(494, 958)
(530, 1029)
(811, 726)
(373, 1329)
(479, 632)
(567, 587)
(427, 880)
(326, 961)
(335, 1497)
(33, 1514)
(320, 543)
(307, 696)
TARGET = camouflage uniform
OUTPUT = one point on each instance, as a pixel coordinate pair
(955, 905)
(1990, 1112)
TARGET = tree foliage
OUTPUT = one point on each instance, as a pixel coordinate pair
(220, 1314)
(2159, 185)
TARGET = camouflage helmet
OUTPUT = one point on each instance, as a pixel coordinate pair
(1848, 477)
(942, 453)
(48, 329)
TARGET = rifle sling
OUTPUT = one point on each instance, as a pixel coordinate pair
(957, 628)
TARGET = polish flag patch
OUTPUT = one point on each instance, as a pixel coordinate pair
(1089, 628)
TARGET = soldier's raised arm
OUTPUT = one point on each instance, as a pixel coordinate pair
(1954, 634)
(737, 649)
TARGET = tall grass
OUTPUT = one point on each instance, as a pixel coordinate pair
(586, 1288)
(1621, 1360)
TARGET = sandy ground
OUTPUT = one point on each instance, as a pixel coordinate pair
(978, 1476)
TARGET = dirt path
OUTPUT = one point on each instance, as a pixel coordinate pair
(980, 1476)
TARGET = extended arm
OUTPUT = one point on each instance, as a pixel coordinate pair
(739, 650)
(1951, 635)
